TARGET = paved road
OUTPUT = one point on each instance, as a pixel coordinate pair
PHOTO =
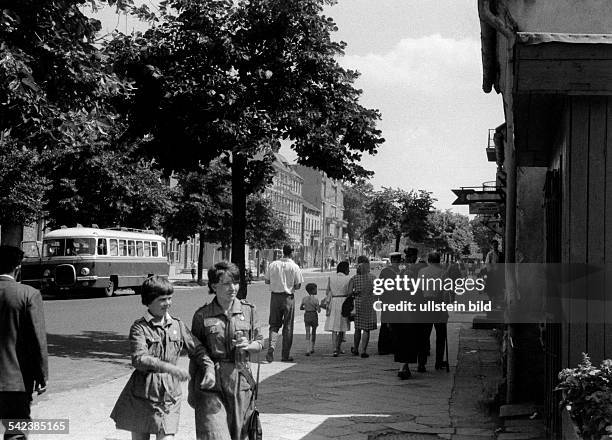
(88, 336)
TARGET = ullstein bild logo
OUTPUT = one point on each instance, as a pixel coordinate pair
(518, 293)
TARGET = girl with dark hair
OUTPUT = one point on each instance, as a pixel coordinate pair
(336, 294)
(229, 329)
(151, 400)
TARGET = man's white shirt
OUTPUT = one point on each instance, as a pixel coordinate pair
(283, 275)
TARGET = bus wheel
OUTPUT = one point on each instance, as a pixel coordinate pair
(109, 290)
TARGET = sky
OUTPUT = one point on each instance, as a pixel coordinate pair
(420, 66)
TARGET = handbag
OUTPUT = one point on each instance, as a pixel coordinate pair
(347, 306)
(254, 426)
(254, 430)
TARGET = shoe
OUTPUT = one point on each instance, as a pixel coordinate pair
(342, 352)
(354, 352)
(269, 357)
(307, 353)
(404, 374)
(311, 351)
(441, 365)
(365, 355)
(421, 369)
(289, 359)
(335, 354)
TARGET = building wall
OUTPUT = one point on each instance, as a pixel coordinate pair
(562, 16)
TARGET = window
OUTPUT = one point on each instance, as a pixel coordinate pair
(122, 248)
(114, 250)
(147, 248)
(53, 248)
(139, 249)
(131, 248)
(80, 246)
(154, 249)
(102, 246)
(163, 250)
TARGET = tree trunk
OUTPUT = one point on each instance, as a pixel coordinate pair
(239, 164)
(11, 235)
(201, 258)
(398, 239)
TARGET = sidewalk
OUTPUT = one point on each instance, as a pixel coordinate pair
(320, 397)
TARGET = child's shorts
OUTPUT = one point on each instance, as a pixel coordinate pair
(311, 319)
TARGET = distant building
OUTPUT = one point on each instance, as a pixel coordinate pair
(321, 191)
(285, 193)
(311, 234)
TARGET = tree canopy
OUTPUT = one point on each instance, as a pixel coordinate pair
(235, 78)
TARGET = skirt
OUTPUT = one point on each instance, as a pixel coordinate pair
(136, 414)
(335, 322)
(365, 315)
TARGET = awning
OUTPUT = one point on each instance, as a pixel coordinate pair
(551, 37)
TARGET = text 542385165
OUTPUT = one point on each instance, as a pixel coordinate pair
(36, 426)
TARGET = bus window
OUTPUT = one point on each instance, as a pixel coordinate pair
(114, 250)
(101, 246)
(163, 250)
(53, 248)
(147, 248)
(131, 248)
(80, 246)
(154, 249)
(139, 249)
(122, 248)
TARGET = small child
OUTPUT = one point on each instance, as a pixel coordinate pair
(311, 307)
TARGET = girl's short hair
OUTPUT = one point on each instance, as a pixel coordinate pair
(343, 267)
(311, 287)
(218, 270)
(154, 287)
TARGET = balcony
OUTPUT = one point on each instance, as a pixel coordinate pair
(491, 154)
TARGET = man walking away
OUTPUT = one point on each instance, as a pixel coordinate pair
(284, 278)
(23, 343)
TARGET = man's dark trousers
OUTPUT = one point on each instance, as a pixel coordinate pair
(14, 406)
(282, 314)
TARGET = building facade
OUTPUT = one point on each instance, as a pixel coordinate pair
(319, 190)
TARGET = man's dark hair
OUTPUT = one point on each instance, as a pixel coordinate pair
(218, 270)
(287, 250)
(311, 287)
(395, 257)
(433, 257)
(10, 258)
(411, 255)
(154, 287)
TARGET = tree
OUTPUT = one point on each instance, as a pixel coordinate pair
(356, 198)
(234, 78)
(55, 93)
(395, 214)
(482, 235)
(203, 205)
(449, 232)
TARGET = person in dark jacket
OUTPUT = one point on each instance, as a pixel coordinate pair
(23, 342)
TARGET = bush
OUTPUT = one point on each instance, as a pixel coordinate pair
(587, 393)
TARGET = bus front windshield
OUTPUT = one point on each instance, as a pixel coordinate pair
(69, 247)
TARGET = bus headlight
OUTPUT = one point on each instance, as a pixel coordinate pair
(85, 271)
(47, 273)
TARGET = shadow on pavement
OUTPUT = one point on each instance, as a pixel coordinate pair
(348, 397)
(109, 347)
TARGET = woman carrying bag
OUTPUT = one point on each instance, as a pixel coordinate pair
(335, 296)
(361, 286)
(229, 330)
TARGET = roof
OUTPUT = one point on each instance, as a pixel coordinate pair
(96, 232)
(310, 206)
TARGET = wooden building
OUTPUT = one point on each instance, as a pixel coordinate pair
(552, 62)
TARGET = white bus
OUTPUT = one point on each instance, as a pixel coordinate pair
(103, 260)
